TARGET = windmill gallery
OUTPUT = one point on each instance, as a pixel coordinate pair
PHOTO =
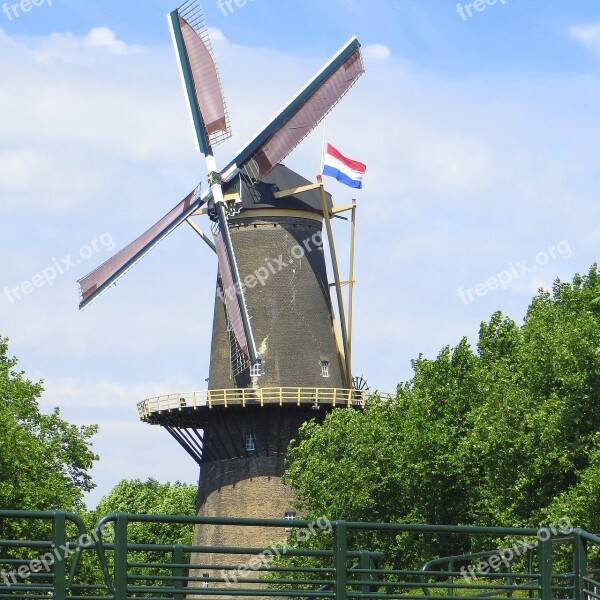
(282, 334)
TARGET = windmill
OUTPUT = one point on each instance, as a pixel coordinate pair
(278, 354)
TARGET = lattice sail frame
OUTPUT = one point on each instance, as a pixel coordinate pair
(238, 361)
(190, 14)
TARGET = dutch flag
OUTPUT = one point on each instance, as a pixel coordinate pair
(345, 170)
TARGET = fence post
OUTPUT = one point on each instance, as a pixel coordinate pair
(579, 564)
(545, 560)
(59, 541)
(375, 577)
(120, 555)
(529, 560)
(365, 562)
(178, 571)
(340, 559)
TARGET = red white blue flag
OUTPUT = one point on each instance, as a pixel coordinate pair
(345, 170)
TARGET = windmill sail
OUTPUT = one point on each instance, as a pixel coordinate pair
(233, 293)
(300, 116)
(93, 284)
(229, 295)
(200, 76)
(257, 159)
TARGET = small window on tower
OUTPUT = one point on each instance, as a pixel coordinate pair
(205, 583)
(256, 369)
(324, 368)
(250, 442)
(290, 516)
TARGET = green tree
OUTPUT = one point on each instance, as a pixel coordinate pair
(139, 497)
(503, 435)
(152, 498)
(44, 460)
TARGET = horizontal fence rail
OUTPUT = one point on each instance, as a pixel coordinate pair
(337, 560)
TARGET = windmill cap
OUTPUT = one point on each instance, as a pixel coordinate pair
(261, 195)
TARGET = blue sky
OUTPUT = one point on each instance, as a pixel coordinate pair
(530, 35)
(482, 141)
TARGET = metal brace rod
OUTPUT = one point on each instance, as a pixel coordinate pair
(201, 233)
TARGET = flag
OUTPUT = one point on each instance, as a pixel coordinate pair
(347, 171)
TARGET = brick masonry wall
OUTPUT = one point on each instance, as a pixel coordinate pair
(290, 314)
(258, 497)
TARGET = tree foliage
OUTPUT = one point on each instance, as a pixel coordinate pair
(152, 497)
(503, 435)
(44, 460)
(141, 497)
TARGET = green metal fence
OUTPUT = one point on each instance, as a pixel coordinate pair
(68, 561)
(41, 568)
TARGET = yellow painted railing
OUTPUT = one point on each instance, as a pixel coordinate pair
(259, 396)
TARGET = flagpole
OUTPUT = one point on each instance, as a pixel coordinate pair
(351, 282)
(336, 276)
(323, 147)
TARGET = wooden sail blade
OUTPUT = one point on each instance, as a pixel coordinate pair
(200, 76)
(300, 116)
(95, 283)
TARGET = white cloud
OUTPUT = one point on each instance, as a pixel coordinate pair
(83, 394)
(84, 113)
(538, 283)
(588, 35)
(16, 168)
(216, 35)
(131, 449)
(112, 405)
(377, 52)
(103, 37)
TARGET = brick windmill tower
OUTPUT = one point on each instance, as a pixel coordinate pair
(279, 356)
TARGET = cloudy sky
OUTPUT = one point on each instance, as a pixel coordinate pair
(480, 130)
